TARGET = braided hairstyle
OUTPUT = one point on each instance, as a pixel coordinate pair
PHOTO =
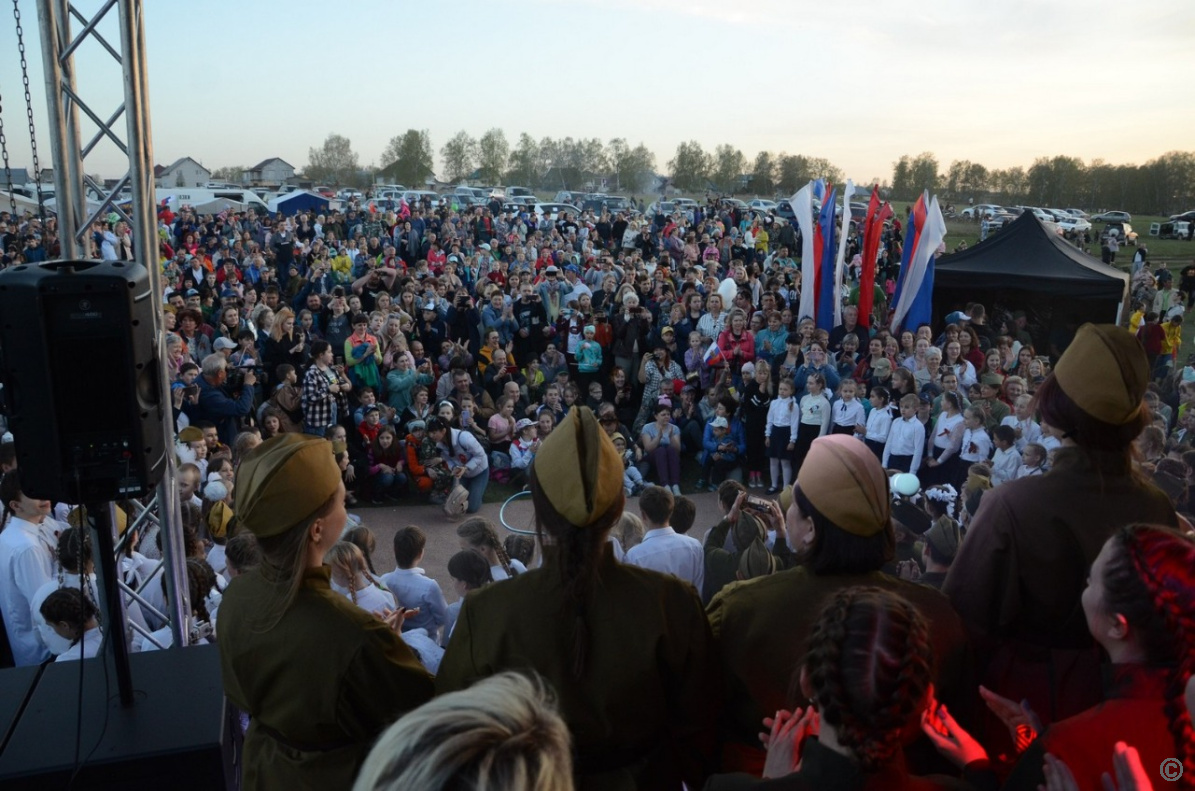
(1150, 580)
(869, 664)
(480, 532)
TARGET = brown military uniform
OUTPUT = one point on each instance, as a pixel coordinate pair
(319, 686)
(642, 718)
(1022, 568)
(760, 629)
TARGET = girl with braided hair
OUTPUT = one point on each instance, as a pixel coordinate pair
(1140, 607)
(868, 677)
(350, 578)
(478, 533)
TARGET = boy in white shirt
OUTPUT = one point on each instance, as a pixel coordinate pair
(906, 439)
(977, 445)
(412, 587)
(1022, 422)
(1007, 462)
(1033, 461)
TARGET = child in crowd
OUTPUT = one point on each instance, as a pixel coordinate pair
(906, 439)
(553, 361)
(387, 481)
(1021, 421)
(418, 474)
(469, 571)
(977, 445)
(589, 354)
(1033, 461)
(849, 414)
(778, 436)
(814, 420)
(370, 425)
(879, 421)
(522, 450)
(1007, 461)
(435, 468)
(632, 479)
(411, 585)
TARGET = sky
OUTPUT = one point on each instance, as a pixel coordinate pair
(860, 83)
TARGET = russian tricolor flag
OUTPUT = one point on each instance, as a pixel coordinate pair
(915, 283)
(824, 254)
(713, 356)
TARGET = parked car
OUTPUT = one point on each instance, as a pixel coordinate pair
(1175, 229)
(553, 210)
(327, 192)
(980, 210)
(1074, 224)
(518, 192)
(762, 205)
(685, 204)
(1113, 216)
(785, 209)
(1187, 216)
(1123, 232)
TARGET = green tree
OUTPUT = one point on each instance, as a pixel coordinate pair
(689, 167)
(728, 165)
(792, 172)
(911, 175)
(408, 158)
(763, 174)
(633, 168)
(233, 174)
(459, 154)
(333, 163)
(493, 153)
(523, 164)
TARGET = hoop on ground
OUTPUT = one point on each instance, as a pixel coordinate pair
(523, 531)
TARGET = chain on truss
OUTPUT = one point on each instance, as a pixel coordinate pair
(41, 203)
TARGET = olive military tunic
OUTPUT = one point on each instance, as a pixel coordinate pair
(642, 716)
(319, 686)
(760, 629)
(1022, 568)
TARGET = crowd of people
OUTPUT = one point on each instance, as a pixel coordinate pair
(960, 541)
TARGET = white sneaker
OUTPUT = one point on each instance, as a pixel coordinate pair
(676, 490)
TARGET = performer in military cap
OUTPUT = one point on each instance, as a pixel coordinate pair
(1023, 564)
(625, 648)
(319, 677)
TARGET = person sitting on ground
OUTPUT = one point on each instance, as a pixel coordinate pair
(662, 548)
(469, 571)
(411, 585)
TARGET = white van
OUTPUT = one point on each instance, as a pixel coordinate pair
(201, 197)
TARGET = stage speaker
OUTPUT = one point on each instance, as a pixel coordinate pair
(78, 359)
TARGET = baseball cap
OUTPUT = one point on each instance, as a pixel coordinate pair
(224, 343)
(956, 317)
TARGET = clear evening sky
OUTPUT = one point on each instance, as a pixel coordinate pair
(858, 82)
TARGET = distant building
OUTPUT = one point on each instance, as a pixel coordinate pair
(184, 172)
(270, 171)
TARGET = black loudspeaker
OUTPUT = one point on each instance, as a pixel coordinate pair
(179, 734)
(79, 364)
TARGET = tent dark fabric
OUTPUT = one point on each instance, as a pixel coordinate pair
(299, 201)
(1027, 267)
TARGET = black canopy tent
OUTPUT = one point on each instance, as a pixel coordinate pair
(1030, 268)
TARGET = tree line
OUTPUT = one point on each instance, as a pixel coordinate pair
(1164, 185)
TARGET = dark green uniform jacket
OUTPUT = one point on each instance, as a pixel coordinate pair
(642, 716)
(1022, 568)
(319, 686)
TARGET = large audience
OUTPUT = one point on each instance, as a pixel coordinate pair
(969, 565)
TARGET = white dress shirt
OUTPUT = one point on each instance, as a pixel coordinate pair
(669, 552)
(905, 438)
(26, 564)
